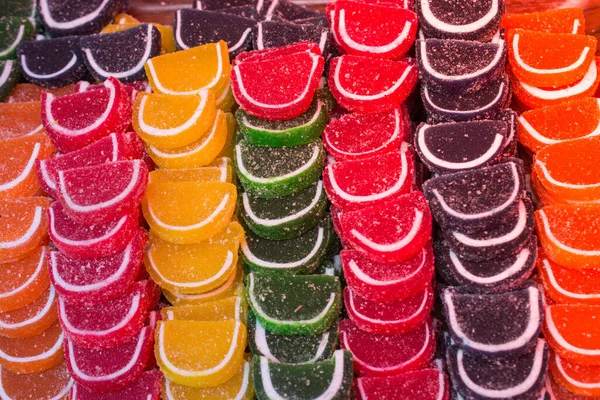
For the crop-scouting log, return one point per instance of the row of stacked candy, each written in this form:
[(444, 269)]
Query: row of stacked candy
[(485, 248), (383, 221), (550, 51)]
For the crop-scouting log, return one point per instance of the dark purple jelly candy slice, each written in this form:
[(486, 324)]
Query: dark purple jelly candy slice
[(270, 34), (52, 62), (510, 144), (242, 11), (459, 19), (519, 377), (459, 64), (77, 17), (320, 20), (286, 10), (494, 324), (122, 54), (197, 27), (463, 146), (227, 4), (447, 105)]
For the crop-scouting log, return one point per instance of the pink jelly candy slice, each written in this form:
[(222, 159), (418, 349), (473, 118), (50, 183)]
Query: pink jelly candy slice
[(266, 54), (427, 384), (75, 120), (131, 89), (147, 387)]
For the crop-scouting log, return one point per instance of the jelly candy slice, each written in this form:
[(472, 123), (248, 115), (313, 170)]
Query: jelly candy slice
[(76, 120), (374, 30), (24, 280), (569, 286), (514, 377), (246, 11), (571, 331), (569, 235), (564, 60), (195, 268), (291, 349), (240, 387), (577, 378), (19, 8), (287, 10), (363, 84), (147, 387), (80, 18), (121, 54), (188, 212), (460, 65), (52, 62), (556, 391), (384, 355), (426, 384), (21, 119), (110, 370), (299, 305), (112, 148), (200, 353), (453, 147), (298, 255), (52, 384), (271, 34), (331, 378), (169, 73), (392, 232), (562, 20), (22, 227), (202, 174), (99, 279), (9, 77), (286, 217), (455, 20), (275, 172), (33, 354), (17, 164), (516, 316), (32, 319), (115, 321), (102, 193), (89, 242), (229, 308), (352, 185), (166, 40), (169, 122), (268, 54)]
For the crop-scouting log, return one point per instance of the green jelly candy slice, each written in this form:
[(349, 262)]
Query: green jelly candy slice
[(329, 380), (291, 349), (294, 304), (13, 31), (18, 8), (286, 217), (331, 267), (281, 171), (299, 255), (304, 129), (9, 77)]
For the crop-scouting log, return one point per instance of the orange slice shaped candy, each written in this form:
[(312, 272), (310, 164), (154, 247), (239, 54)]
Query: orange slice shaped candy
[(573, 332), (583, 380), (202, 174), (200, 353), (229, 308), (169, 122), (17, 164), (563, 20), (544, 196), (20, 119), (33, 354), (170, 73), (195, 268), (569, 170), (31, 320), (28, 92), (52, 384), (188, 212), (549, 59), (567, 285), (227, 150), (197, 154), (22, 226), (226, 101)]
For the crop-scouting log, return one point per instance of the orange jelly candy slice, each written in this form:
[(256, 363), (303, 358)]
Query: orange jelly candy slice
[(22, 226), (170, 122), (26, 92), (202, 174), (200, 353), (20, 119), (549, 59), (583, 380), (235, 308), (188, 212), (17, 164), (226, 101), (33, 354), (52, 384), (564, 20), (573, 332), (31, 320), (195, 268)]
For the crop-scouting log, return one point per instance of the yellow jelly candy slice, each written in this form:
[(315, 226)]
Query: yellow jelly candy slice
[(188, 212), (190, 71), (226, 101), (229, 146), (200, 353), (202, 174), (195, 268), (234, 307), (122, 19)]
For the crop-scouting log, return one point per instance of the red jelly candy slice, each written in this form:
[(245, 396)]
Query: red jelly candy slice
[(109, 370), (108, 324), (389, 318), (112, 148), (277, 87), (76, 120), (147, 387), (352, 185), (387, 282), (373, 30), (356, 136), (267, 54), (363, 84), (427, 384), (381, 355), (335, 219), (392, 232), (89, 242), (99, 279)]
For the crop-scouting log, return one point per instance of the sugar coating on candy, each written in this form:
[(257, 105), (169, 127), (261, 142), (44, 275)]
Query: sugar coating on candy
[(577, 378), (22, 226), (23, 280), (426, 384), (53, 383), (287, 10), (228, 308), (568, 285), (79, 17), (242, 11), (19, 8), (20, 119), (147, 387), (14, 31), (9, 78), (32, 319), (269, 34), (561, 20)]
